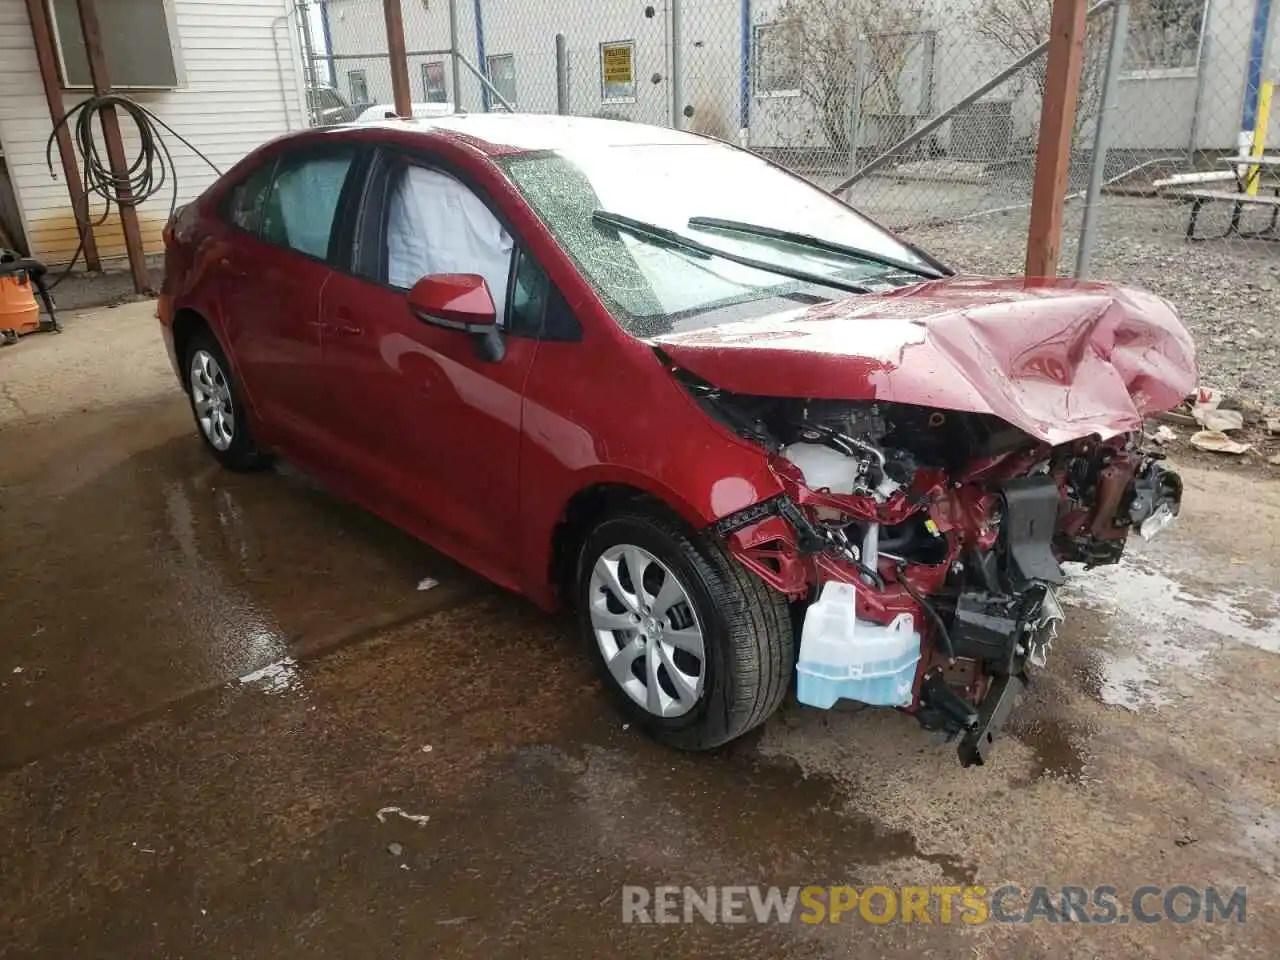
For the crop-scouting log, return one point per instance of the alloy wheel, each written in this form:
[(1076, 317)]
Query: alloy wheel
[(211, 397), (647, 630)]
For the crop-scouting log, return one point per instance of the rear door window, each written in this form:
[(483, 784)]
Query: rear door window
[(300, 211)]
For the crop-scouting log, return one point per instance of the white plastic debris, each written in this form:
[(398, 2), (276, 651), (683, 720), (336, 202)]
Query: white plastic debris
[(1215, 441), (1208, 413), (426, 583), (1220, 420), (17, 669), (426, 748), (419, 818), (1164, 435)]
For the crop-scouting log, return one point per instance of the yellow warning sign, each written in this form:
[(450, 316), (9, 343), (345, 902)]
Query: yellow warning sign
[(619, 67)]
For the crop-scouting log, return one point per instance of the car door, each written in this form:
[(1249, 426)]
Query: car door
[(275, 278), (432, 425)]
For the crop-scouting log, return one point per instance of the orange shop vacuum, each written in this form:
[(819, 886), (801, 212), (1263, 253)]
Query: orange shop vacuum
[(22, 279)]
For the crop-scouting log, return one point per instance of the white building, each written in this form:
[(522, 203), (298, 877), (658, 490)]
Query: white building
[(227, 76), (1182, 88)]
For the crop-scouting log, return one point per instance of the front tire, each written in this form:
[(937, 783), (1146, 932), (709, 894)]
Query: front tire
[(697, 650), (217, 405)]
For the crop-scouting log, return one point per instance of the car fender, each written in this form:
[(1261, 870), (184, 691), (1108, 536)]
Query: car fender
[(699, 490)]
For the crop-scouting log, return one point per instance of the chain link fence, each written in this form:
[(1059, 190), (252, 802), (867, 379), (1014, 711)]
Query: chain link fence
[(829, 87)]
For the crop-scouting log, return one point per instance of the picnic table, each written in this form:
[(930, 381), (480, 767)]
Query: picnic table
[(1247, 171)]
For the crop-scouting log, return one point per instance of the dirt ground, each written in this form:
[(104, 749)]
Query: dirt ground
[(211, 684)]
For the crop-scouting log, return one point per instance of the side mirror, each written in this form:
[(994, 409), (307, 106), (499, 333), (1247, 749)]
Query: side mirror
[(459, 301)]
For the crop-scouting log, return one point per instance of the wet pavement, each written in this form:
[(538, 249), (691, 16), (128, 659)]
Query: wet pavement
[(211, 685)]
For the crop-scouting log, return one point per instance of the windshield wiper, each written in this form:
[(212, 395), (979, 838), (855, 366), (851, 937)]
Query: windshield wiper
[(930, 271), (665, 237)]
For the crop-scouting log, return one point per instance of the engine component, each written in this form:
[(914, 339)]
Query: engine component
[(825, 468), (1029, 523), (1157, 498), (941, 708), (1004, 630), (843, 465)]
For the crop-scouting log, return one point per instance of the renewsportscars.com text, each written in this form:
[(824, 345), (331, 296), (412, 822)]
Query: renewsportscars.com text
[(1009, 903)]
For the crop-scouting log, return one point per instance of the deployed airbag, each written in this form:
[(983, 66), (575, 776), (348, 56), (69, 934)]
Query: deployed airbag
[(437, 225)]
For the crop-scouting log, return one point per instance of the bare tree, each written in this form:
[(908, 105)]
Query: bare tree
[(821, 42), (1019, 26), (1164, 34)]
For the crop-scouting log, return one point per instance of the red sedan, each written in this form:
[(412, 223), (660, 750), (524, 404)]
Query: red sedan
[(746, 432)]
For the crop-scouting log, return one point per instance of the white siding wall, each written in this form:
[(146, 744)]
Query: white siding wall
[(242, 87)]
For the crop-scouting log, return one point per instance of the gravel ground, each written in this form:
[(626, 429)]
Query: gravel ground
[(1226, 291)]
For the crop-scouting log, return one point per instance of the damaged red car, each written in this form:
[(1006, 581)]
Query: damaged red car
[(751, 436)]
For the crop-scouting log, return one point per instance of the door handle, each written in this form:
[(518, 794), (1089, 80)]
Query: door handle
[(344, 325)]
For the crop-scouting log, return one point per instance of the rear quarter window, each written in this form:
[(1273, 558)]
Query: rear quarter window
[(245, 202)]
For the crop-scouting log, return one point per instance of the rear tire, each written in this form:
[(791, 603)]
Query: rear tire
[(747, 642), (218, 407)]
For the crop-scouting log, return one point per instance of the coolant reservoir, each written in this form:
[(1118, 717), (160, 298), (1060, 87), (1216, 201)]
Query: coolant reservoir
[(844, 658), (823, 467)]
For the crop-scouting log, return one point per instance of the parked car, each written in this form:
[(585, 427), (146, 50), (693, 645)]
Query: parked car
[(327, 106), (387, 111), (705, 403)]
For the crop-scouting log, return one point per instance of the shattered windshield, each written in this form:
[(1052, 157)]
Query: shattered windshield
[(652, 287)]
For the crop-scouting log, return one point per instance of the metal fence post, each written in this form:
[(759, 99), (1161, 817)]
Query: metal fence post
[(453, 45), (562, 74), (398, 60), (859, 85), (677, 66), (1057, 126), (308, 54), (1102, 136)]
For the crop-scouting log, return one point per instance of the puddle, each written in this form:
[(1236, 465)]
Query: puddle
[(733, 813), (1123, 682), (1060, 748), (1149, 624), (1136, 590)]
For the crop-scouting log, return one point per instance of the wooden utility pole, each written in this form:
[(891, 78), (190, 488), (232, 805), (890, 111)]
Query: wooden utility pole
[(399, 62), (115, 145), (47, 60), (1057, 122)]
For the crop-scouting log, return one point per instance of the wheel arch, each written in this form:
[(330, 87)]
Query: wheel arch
[(187, 322), (585, 508)]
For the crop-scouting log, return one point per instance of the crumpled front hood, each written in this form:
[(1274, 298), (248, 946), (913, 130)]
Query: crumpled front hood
[(1058, 359)]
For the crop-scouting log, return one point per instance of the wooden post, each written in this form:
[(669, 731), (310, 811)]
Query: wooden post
[(47, 60), (1057, 121), (399, 62), (115, 145)]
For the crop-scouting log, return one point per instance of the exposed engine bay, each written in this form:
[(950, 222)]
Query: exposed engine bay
[(959, 520)]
